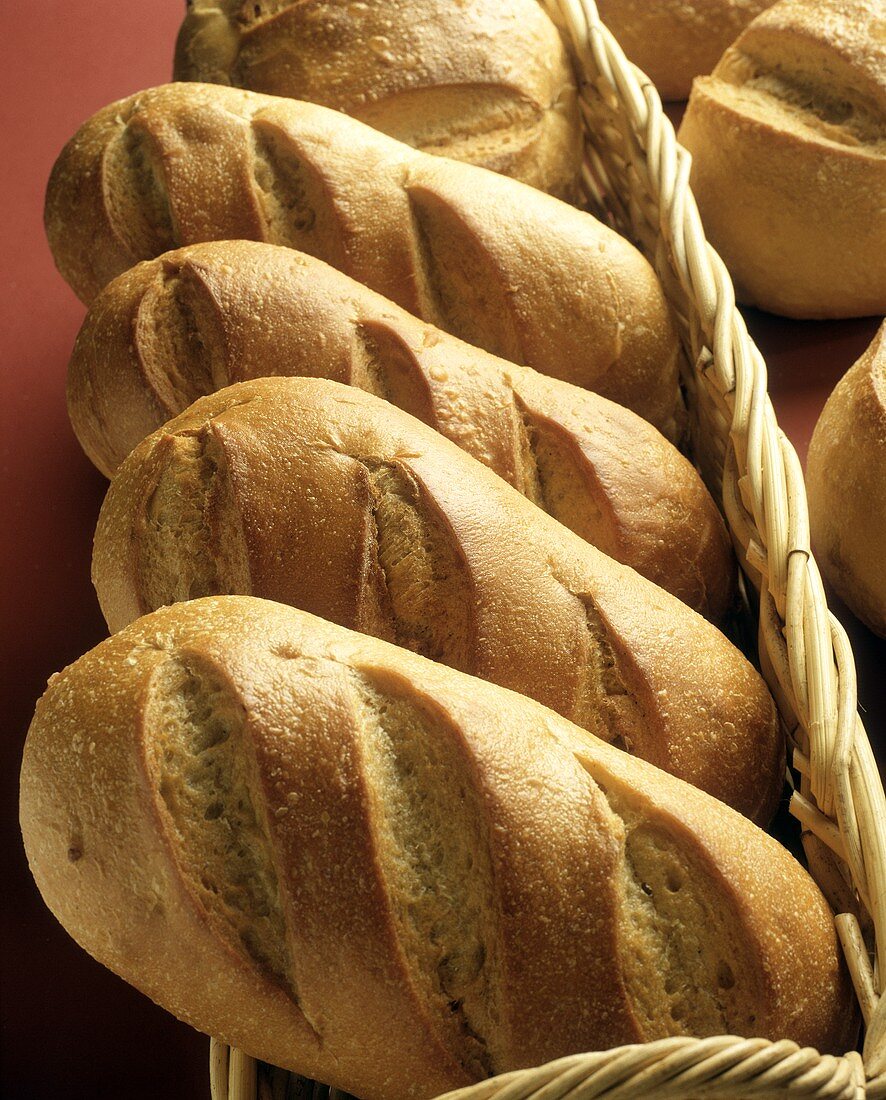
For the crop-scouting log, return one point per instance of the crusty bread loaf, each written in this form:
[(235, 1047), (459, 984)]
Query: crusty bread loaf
[(173, 329), (673, 41), (318, 495), (846, 478), (486, 258), (392, 877), (488, 81), (788, 139)]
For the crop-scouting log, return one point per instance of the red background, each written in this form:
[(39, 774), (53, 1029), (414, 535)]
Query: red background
[(70, 1028)]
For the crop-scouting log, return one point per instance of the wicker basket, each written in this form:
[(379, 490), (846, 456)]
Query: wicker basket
[(636, 176)]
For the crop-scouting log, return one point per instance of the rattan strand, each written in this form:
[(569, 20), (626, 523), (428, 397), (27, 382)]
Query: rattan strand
[(638, 177), (722, 1066)]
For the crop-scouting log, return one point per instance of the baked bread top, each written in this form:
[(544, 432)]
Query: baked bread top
[(387, 875), (203, 317), (846, 478), (673, 41), (788, 140), (496, 263), (814, 68), (486, 82), (319, 495)]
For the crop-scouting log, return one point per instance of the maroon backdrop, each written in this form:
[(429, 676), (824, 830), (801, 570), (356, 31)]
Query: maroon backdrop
[(70, 1028)]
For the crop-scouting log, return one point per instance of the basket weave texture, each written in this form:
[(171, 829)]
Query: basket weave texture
[(637, 178)]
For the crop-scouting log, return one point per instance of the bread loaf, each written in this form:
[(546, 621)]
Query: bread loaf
[(846, 477), (673, 41), (318, 495), (192, 321), (391, 877), (788, 139), (486, 258), (488, 82)]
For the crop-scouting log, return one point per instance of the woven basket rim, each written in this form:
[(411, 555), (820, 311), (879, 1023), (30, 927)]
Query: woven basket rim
[(805, 653)]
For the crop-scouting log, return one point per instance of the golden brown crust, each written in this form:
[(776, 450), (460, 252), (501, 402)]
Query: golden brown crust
[(788, 138), (673, 41), (322, 496), (846, 477), (172, 329), (230, 729), (485, 82), (486, 258)]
